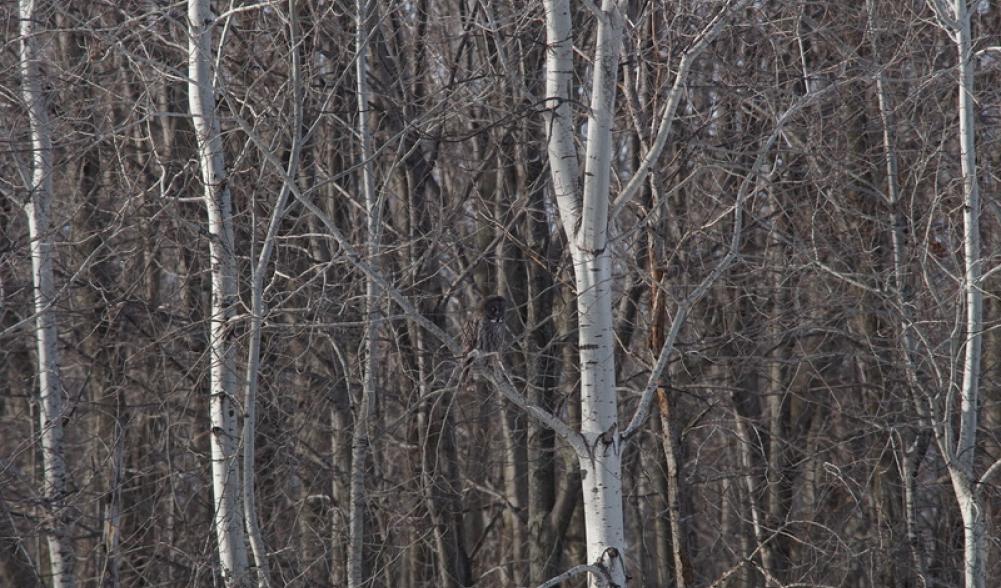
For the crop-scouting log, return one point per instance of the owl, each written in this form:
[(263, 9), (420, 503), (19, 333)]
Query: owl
[(487, 333)]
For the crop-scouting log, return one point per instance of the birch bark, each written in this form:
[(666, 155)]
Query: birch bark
[(585, 223), (37, 208), (962, 470), (602, 465), (226, 486), (959, 449)]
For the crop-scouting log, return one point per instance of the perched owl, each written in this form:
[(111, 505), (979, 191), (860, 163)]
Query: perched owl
[(487, 333)]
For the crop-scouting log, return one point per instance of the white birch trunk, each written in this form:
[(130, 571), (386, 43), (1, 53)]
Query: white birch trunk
[(229, 521), (557, 116), (602, 465), (37, 208), (586, 229), (974, 522), (360, 438), (971, 510), (973, 262), (960, 451), (586, 226)]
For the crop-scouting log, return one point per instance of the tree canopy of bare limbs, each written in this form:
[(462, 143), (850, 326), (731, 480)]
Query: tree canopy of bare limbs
[(740, 261)]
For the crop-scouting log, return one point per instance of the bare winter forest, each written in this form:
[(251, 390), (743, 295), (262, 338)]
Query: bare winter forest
[(500, 293)]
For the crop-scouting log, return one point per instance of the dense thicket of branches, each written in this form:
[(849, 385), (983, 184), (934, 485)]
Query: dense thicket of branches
[(798, 439)]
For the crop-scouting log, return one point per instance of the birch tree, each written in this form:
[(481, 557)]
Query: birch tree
[(774, 262), (226, 482), (585, 221), (38, 207), (959, 448)]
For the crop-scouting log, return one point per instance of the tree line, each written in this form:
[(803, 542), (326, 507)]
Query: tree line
[(741, 258)]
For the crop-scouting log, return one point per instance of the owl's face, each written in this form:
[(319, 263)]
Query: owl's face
[(493, 309)]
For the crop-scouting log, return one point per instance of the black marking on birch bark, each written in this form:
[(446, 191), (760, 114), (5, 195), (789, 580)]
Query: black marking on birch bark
[(608, 437)]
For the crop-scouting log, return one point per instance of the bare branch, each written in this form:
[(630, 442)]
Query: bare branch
[(989, 475), (942, 14), (502, 382), (350, 253), (653, 381), (702, 40), (246, 8), (594, 9)]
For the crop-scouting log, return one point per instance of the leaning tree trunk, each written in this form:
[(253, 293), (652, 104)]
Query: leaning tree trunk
[(258, 310), (37, 207), (228, 511)]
